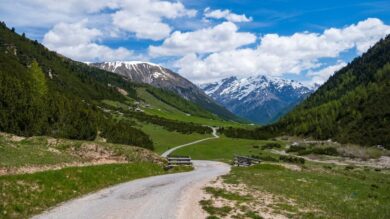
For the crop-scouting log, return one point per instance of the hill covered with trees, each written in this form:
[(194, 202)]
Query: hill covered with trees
[(44, 93), (352, 106)]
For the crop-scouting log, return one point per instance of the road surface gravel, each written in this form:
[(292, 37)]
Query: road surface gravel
[(159, 197)]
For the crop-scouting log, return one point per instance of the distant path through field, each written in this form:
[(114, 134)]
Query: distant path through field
[(215, 135)]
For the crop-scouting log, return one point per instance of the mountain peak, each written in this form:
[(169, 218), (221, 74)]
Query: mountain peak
[(258, 98), (158, 76), (128, 64)]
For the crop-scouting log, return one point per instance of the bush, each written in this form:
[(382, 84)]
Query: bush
[(122, 133), (271, 145), (296, 148), (265, 158), (331, 151), (291, 159)]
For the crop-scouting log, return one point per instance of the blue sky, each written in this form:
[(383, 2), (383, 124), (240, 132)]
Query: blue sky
[(208, 40)]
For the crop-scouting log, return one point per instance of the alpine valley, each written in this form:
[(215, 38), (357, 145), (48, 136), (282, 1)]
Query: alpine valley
[(87, 131)]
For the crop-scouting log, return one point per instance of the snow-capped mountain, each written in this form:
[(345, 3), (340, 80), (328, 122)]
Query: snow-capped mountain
[(259, 99), (158, 76)]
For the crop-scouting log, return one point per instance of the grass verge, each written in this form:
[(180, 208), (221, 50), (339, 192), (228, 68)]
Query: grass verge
[(319, 191), (25, 195)]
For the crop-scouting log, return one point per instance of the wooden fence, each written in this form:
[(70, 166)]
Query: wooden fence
[(178, 161)]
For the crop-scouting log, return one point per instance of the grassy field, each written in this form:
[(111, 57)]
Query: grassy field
[(37, 173), (223, 149), (25, 195), (38, 151), (320, 191), (164, 110), (164, 140), (293, 189)]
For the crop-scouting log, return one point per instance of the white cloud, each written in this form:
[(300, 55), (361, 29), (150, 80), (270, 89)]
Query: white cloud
[(226, 14), (144, 17), (222, 37), (45, 13), (277, 55), (320, 76), (79, 42)]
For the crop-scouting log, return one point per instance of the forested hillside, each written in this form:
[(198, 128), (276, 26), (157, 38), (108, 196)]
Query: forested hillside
[(352, 106), (176, 101), (44, 93)]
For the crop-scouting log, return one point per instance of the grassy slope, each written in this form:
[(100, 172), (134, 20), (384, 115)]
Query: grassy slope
[(166, 111), (25, 195), (332, 192), (163, 139), (39, 151), (221, 149)]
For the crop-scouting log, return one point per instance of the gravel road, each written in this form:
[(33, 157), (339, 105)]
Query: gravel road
[(159, 197), (167, 196)]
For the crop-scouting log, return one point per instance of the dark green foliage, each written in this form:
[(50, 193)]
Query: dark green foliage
[(43, 93), (176, 101), (172, 125), (291, 159), (271, 146), (312, 149), (122, 133), (259, 133), (296, 148), (353, 106), (331, 151)]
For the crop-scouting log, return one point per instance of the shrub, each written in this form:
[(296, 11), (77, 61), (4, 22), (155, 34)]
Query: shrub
[(291, 159), (271, 145), (122, 133), (296, 148), (331, 151)]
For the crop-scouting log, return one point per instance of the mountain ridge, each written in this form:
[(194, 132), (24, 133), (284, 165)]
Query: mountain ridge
[(260, 98), (161, 77)]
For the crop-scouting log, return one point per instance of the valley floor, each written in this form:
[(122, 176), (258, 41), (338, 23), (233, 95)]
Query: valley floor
[(348, 184), (295, 179)]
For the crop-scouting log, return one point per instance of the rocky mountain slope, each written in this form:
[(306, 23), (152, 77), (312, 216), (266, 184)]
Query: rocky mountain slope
[(259, 99), (158, 76)]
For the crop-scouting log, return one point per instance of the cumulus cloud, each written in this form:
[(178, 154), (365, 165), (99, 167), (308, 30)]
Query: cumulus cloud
[(144, 17), (222, 37), (320, 76), (226, 14), (44, 13), (276, 55), (79, 42)]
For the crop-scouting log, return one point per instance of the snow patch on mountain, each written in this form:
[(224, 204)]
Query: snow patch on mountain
[(258, 98)]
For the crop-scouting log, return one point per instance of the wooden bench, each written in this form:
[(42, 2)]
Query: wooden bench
[(179, 161), (245, 161)]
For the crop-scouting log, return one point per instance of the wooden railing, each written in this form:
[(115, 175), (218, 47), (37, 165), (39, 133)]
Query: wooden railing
[(177, 161)]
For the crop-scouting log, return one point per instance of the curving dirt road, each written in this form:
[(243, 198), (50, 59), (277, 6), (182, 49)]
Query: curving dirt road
[(159, 197)]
